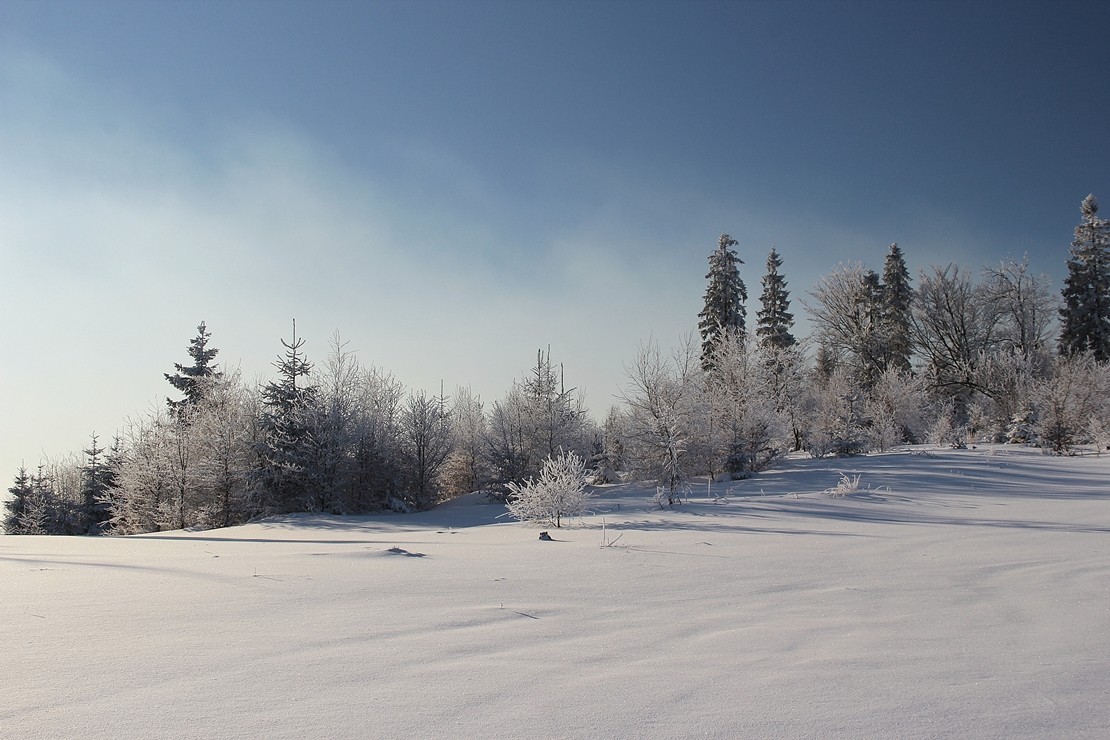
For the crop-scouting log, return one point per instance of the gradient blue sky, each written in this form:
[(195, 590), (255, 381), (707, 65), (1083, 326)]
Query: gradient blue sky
[(455, 184)]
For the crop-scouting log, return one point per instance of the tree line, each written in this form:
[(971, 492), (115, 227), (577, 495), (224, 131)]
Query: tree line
[(958, 357)]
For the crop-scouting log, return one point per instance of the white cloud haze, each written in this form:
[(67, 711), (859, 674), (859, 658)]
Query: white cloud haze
[(451, 190)]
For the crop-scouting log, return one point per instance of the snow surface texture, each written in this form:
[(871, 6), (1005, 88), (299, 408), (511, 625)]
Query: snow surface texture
[(956, 593)]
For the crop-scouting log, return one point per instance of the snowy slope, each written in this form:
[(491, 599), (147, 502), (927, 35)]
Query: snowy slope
[(963, 593)]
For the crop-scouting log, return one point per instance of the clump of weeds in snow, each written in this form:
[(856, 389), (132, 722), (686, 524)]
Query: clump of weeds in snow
[(849, 485), (845, 487)]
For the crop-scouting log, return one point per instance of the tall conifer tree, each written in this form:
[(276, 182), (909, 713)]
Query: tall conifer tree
[(724, 300), (187, 378), (869, 317), (97, 477), (774, 318), (287, 446), (18, 504), (1085, 316), (897, 305)]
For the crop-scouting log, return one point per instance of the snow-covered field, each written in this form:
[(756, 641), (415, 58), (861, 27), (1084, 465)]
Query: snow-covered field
[(958, 593)]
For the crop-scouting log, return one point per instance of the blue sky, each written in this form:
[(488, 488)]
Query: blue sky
[(453, 185)]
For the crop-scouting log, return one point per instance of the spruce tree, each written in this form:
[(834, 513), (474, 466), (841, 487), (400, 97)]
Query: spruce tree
[(724, 300), (97, 477), (869, 319), (897, 304), (826, 361), (18, 505), (1086, 312), (45, 511), (287, 446), (774, 318), (555, 414), (187, 378)]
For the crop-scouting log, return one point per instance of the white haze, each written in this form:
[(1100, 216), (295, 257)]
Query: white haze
[(125, 224)]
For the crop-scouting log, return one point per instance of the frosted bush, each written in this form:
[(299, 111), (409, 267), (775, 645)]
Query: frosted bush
[(559, 491)]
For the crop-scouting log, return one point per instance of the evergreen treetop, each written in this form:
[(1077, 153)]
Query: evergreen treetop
[(774, 318), (724, 310), (897, 303), (187, 378), (285, 394), (288, 446), (18, 503), (97, 478), (1085, 316)]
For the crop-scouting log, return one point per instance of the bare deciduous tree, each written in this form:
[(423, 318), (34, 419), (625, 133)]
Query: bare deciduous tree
[(955, 325), (662, 399), (425, 444), (1026, 308), (1075, 393)]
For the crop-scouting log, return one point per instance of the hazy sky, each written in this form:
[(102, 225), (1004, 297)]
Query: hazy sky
[(453, 185)]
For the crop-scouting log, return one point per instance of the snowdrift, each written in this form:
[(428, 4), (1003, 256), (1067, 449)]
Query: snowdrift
[(953, 593)]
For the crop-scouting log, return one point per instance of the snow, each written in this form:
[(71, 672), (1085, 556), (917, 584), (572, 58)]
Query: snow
[(958, 592)]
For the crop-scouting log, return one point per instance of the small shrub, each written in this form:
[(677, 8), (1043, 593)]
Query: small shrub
[(559, 491)]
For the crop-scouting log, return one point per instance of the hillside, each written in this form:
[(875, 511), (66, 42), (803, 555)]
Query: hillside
[(957, 593)]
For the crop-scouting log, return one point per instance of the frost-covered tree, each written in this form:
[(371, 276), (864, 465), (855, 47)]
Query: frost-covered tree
[(1025, 306), (1022, 428), (948, 428), (187, 377), (466, 469), (508, 442), (894, 410), (98, 476), (983, 343), (141, 500), (375, 471), (48, 510), (51, 499), (159, 483), (663, 398), (1085, 316), (896, 341), (1067, 400), (955, 325), (826, 360), (847, 318), (834, 412), (425, 444), (287, 474), (228, 434), (725, 294), (58, 494), (742, 394), (614, 431), (334, 425), (1003, 380), (774, 318), (863, 321), (559, 491), (789, 376), (19, 505), (538, 418), (778, 348), (557, 415), (871, 309), (184, 469)]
